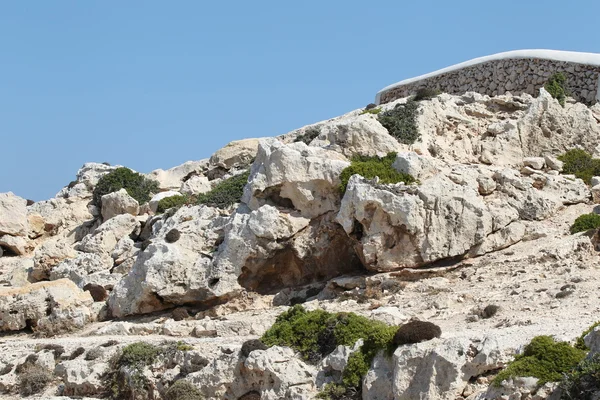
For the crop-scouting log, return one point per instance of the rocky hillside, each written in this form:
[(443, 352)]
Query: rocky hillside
[(410, 252)]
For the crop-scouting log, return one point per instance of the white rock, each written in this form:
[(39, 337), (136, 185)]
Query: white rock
[(172, 179), (117, 203), (236, 153), (534, 162), (51, 307), (13, 215), (197, 184), (419, 167), (17, 244), (14, 271), (553, 162), (82, 268), (81, 378), (104, 239), (306, 178), (158, 197), (87, 178)]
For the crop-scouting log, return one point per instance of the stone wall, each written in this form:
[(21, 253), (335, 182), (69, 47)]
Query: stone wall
[(498, 76)]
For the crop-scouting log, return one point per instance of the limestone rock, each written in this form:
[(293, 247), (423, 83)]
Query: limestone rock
[(117, 203), (85, 268), (238, 153), (553, 162), (172, 179), (419, 167), (86, 180), (357, 135), (197, 184), (49, 254), (81, 378), (167, 274), (534, 162), (14, 271), (13, 215), (49, 307), (104, 239), (17, 244), (36, 225), (295, 176)]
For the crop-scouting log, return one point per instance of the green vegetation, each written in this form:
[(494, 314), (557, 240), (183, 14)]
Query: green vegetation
[(370, 167), (183, 390), (134, 358), (557, 87), (416, 332), (371, 111), (315, 334), (33, 379), (581, 164), (138, 186), (226, 193), (585, 222), (544, 359), (426, 94), (580, 342), (401, 122), (172, 202), (308, 136), (335, 391), (583, 382)]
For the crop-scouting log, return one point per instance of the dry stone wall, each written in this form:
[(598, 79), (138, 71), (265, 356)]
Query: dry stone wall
[(501, 75)]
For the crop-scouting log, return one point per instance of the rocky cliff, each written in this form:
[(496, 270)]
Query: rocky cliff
[(113, 296)]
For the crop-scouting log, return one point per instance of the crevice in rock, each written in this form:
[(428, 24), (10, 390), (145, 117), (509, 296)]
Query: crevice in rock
[(329, 253), (272, 197)]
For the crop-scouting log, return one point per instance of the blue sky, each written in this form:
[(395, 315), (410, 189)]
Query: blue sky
[(152, 84)]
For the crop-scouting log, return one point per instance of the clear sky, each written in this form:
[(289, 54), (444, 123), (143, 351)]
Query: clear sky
[(152, 84)]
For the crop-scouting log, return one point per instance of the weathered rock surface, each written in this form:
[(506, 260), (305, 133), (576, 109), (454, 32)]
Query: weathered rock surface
[(238, 153), (47, 307), (117, 203), (13, 215), (172, 179)]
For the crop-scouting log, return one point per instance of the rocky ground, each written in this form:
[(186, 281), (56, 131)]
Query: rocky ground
[(487, 225)]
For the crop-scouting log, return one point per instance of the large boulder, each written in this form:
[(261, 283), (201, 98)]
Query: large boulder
[(47, 307), (238, 153), (17, 244), (13, 215), (295, 176), (172, 179), (86, 268), (49, 254), (117, 203), (360, 135), (171, 273), (104, 239)]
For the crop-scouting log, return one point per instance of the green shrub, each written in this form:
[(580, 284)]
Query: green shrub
[(33, 379), (132, 361), (309, 135), (137, 185), (370, 167), (374, 111), (401, 122), (426, 94), (335, 391), (315, 334), (139, 354), (172, 202), (585, 222), (583, 382), (544, 359), (226, 193), (183, 390), (580, 342), (557, 87), (581, 164)]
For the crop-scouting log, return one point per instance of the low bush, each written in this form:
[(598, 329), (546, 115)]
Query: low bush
[(557, 87), (308, 136), (426, 94), (489, 311), (585, 222), (370, 167), (583, 382), (581, 164), (315, 334), (335, 391), (416, 332), (401, 122), (250, 345), (226, 193), (172, 202), (33, 379), (544, 359), (126, 377), (580, 341), (374, 111), (137, 185), (183, 390)]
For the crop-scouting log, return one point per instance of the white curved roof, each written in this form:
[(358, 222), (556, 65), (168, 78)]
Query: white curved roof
[(555, 55)]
